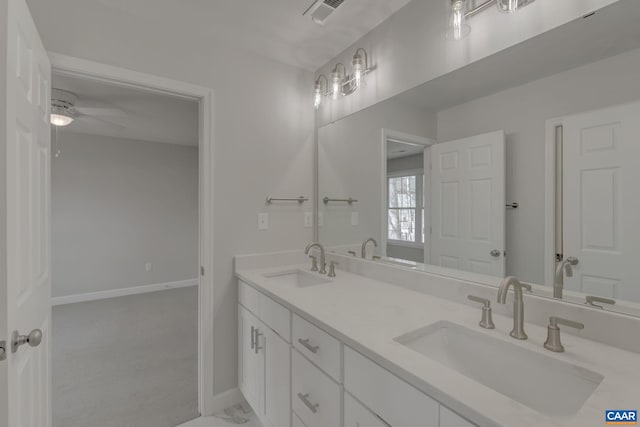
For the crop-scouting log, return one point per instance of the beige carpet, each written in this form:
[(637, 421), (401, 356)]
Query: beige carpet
[(126, 362)]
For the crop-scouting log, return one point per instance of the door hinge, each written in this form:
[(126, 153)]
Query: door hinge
[(559, 257), (201, 270), (3, 350)]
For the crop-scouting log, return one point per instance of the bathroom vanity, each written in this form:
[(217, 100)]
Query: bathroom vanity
[(356, 351)]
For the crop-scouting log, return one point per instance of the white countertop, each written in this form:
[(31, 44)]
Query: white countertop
[(367, 315)]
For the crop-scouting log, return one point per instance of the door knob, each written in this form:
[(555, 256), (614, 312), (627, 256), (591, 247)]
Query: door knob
[(33, 339), (572, 260), (495, 253)]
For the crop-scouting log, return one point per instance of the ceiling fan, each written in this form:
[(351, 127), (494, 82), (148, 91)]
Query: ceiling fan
[(66, 107)]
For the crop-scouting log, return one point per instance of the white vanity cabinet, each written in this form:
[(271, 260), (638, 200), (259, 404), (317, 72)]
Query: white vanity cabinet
[(264, 357), (294, 374)]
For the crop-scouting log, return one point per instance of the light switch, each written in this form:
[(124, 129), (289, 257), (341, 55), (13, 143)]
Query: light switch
[(263, 221), (147, 267), (355, 218), (308, 219), (320, 219)]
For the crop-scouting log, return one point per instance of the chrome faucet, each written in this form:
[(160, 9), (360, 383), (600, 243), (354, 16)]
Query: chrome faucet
[(364, 246), (518, 305), (558, 284), (323, 264)]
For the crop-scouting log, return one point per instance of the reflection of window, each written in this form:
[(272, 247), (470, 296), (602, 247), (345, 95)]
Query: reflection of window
[(405, 207)]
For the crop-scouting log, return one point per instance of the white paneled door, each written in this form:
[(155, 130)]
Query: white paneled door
[(27, 164), (601, 207), (468, 204)]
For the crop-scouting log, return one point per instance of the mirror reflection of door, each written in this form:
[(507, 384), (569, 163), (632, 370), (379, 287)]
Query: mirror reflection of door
[(600, 208), (446, 203)]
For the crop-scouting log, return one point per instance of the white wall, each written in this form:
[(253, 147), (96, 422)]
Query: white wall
[(410, 48), (118, 204), (597, 85), (263, 133), (350, 162)]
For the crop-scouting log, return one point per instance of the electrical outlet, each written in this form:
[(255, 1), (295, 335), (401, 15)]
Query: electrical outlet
[(147, 267), (308, 219), (263, 221), (355, 218)]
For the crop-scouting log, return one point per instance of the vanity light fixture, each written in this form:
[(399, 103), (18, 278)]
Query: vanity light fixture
[(341, 81), (319, 90), (458, 28), (337, 79)]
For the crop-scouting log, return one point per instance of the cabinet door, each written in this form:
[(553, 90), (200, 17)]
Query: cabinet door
[(277, 399), (251, 358)]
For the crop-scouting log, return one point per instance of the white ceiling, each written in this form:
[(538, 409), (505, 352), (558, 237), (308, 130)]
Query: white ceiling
[(123, 112), (272, 28), (397, 149)]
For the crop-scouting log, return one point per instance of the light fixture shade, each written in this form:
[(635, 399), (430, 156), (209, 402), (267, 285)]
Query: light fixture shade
[(336, 84), (358, 70), (458, 27), (510, 6), (317, 95), (60, 119)]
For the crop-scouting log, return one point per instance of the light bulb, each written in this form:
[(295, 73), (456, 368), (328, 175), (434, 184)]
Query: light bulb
[(317, 96), (358, 70), (336, 82), (458, 28)]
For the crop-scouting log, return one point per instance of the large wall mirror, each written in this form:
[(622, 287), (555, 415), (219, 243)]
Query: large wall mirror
[(526, 163)]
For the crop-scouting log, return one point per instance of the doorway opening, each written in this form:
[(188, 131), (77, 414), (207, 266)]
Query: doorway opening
[(140, 161)]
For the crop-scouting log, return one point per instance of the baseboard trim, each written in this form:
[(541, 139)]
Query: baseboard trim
[(224, 400), (135, 290)]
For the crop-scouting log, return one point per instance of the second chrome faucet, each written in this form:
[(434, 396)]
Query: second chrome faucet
[(518, 305)]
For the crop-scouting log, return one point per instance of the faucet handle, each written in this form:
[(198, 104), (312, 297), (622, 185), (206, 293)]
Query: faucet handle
[(527, 286), (352, 253), (487, 320), (314, 263), (591, 299), (376, 258), (553, 342), (332, 268)]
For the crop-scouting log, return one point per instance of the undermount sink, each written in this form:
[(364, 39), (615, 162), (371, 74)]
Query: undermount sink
[(296, 278), (542, 383)]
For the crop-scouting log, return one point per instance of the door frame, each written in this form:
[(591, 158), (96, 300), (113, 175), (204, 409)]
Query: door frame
[(77, 67), (426, 199), (550, 205)]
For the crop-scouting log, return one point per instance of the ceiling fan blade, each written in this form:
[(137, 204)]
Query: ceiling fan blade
[(101, 111), (101, 121)]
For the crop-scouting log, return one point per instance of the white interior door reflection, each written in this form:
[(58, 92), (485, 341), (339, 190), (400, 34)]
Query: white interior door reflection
[(600, 174)]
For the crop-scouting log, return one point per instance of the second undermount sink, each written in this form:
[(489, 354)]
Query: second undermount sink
[(296, 278), (542, 383)]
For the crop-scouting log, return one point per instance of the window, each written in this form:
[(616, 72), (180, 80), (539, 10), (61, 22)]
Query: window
[(405, 211)]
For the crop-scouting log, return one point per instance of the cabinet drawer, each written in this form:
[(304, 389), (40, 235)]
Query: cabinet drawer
[(397, 402), (316, 398), (320, 347), (356, 415), (276, 317), (249, 297), (448, 418)]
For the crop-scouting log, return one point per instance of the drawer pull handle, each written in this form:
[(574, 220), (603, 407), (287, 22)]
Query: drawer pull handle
[(253, 337), (305, 399), (258, 335), (312, 348)]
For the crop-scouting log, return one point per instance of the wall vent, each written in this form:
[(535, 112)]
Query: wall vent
[(320, 10)]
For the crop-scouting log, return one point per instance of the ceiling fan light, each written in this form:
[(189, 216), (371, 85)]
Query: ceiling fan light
[(61, 120)]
